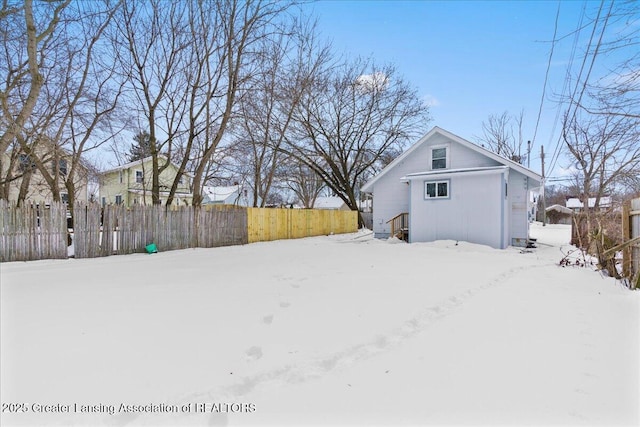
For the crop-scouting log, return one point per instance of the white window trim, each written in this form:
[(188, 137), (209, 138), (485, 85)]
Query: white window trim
[(141, 176), (436, 182), (447, 154)]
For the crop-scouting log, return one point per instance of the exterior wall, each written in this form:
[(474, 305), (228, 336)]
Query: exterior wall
[(110, 187), (518, 196), (391, 196), (474, 210), (39, 190), (122, 182)]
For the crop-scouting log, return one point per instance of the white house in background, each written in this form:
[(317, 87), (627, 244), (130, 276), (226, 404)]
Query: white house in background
[(331, 203), (229, 195), (445, 187), (575, 204)]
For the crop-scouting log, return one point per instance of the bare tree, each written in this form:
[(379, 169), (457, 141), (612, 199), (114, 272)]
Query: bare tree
[(606, 152), (499, 135), (290, 61), (152, 46), (349, 118), (26, 33), (242, 24), (87, 96), (305, 184), (75, 100), (186, 63), (616, 90)]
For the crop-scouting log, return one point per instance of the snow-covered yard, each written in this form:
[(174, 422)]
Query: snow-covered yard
[(336, 330)]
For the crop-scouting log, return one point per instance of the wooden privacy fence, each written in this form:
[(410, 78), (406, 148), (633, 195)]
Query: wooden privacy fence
[(130, 230), (274, 224), (32, 232)]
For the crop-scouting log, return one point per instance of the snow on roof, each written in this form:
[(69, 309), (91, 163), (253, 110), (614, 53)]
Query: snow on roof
[(559, 208), (574, 202), (219, 194), (485, 169), (328, 203)]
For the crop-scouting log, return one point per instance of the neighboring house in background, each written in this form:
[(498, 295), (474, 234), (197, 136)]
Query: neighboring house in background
[(558, 214), (130, 184), (36, 188), (227, 195), (331, 203), (576, 204), (445, 187)]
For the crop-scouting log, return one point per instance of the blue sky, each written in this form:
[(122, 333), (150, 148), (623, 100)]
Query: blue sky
[(469, 58)]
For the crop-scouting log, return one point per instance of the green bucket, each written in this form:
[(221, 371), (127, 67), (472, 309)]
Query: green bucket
[(151, 248)]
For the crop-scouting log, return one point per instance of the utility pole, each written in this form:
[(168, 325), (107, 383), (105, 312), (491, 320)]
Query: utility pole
[(544, 200)]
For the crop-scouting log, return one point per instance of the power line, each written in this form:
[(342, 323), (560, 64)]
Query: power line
[(567, 78), (546, 75), (593, 58), (573, 104)]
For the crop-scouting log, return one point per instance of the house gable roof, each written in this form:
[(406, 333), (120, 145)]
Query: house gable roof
[(368, 186), (332, 202), (576, 202), (140, 162), (559, 208), (220, 194)]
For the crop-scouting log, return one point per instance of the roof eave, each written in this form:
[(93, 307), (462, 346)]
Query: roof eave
[(368, 186)]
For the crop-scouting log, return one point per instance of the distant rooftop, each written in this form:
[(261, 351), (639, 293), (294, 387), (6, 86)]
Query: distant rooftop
[(575, 203)]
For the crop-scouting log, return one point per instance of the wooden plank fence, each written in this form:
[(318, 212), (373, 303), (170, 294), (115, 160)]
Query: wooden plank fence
[(32, 232), (130, 230), (274, 224), (630, 231)]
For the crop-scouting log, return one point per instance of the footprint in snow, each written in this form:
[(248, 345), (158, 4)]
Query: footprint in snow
[(268, 319), (219, 419), (285, 304), (254, 353)]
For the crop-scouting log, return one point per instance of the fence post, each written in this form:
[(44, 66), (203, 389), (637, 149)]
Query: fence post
[(626, 235), (633, 253)]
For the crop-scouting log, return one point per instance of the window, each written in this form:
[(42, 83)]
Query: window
[(439, 158), (139, 177), (120, 176), (62, 167), (104, 202), (118, 199), (25, 163), (64, 198), (436, 189)]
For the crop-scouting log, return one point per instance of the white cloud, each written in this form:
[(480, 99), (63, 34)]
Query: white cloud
[(431, 100), (375, 81)]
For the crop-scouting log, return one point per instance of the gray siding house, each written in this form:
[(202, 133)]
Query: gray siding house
[(447, 188)]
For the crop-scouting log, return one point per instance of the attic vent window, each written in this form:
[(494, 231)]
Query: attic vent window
[(439, 158)]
